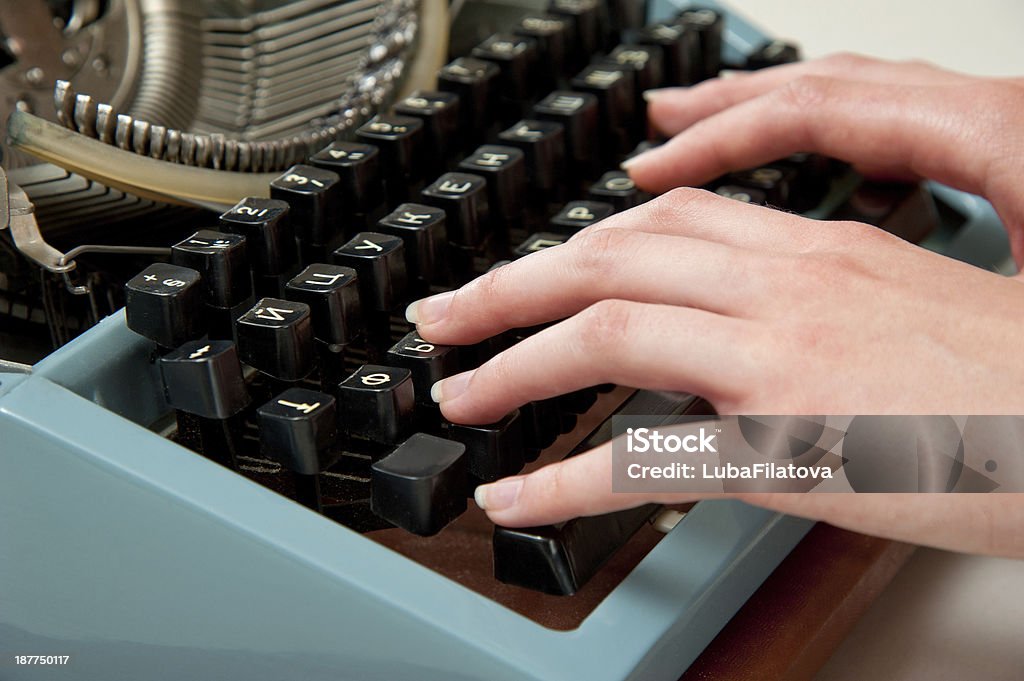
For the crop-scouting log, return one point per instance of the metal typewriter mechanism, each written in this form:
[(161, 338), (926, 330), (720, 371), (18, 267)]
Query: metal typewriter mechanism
[(262, 187)]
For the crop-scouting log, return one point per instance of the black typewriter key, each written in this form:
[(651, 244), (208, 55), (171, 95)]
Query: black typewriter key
[(541, 426), (221, 260), (377, 404), (269, 240), (645, 62), (421, 486), (276, 337), (204, 379), (297, 428), (585, 19), (515, 56), (493, 451), (332, 294), (538, 242), (774, 181), (708, 25), (742, 194), (811, 181), (543, 147), (165, 304), (399, 139), (577, 215), (578, 114), (680, 50), (379, 261), (358, 167), (616, 187), (505, 171), (613, 87), (578, 401), (475, 81), (314, 195), (428, 362), (553, 38), (422, 229), (773, 53), (439, 112), (627, 15), (464, 199)]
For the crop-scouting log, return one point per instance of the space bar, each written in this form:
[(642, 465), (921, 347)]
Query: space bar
[(559, 559)]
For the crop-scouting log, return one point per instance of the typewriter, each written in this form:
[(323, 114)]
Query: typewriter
[(219, 455)]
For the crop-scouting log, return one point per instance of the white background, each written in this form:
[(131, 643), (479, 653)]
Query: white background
[(945, 616)]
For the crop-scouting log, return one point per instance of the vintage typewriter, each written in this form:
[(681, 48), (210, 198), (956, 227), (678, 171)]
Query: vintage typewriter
[(223, 461)]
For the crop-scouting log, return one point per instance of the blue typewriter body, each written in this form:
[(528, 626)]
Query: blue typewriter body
[(141, 560)]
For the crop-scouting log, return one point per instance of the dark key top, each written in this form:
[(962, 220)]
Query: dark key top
[(269, 239), (708, 25), (505, 171), (645, 62), (627, 15), (475, 81), (422, 229), (774, 181), (543, 147), (358, 166), (399, 139), (743, 194), (377, 404), (577, 215), (773, 53), (559, 559), (332, 294), (314, 195), (276, 337), (439, 112), (680, 50), (203, 382), (613, 87), (297, 428), (204, 378), (538, 242), (421, 486), (578, 114), (494, 451), (464, 199), (616, 187), (811, 183), (165, 304), (379, 261), (515, 56), (552, 35), (428, 362), (220, 258), (585, 18)]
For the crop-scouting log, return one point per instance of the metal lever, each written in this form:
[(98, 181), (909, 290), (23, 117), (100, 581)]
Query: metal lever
[(18, 214)]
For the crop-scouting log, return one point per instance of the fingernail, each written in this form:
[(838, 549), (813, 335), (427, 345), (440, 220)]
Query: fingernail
[(448, 389), (633, 160), (651, 95), (498, 495), (429, 310)]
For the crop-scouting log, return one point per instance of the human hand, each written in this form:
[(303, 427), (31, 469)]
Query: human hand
[(893, 120), (757, 310)]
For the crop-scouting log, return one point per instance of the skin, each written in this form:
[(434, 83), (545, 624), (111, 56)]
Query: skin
[(761, 311)]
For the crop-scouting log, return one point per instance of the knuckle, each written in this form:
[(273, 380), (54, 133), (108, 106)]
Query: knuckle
[(602, 324), (600, 251), (684, 200), (485, 290), (806, 92), (847, 60)]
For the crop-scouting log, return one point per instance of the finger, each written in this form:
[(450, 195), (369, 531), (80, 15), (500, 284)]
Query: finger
[(610, 263), (672, 110), (700, 214), (928, 131), (582, 486), (635, 344)]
